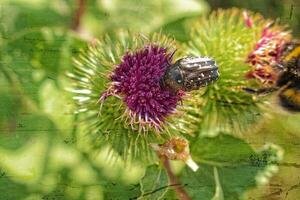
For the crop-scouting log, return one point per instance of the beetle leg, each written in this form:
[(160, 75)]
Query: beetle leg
[(260, 91)]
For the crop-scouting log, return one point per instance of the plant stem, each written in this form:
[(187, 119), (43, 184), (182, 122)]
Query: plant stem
[(78, 15), (177, 186)]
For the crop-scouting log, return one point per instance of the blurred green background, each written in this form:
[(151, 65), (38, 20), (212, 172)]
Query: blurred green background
[(38, 39)]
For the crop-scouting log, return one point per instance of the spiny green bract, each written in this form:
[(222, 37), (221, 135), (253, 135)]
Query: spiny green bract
[(224, 106)]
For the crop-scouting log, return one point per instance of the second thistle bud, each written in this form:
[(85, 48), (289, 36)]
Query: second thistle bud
[(176, 149)]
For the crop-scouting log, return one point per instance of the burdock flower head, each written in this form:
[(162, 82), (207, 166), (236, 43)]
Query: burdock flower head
[(267, 52), (137, 79), (228, 36), (231, 37), (119, 95)]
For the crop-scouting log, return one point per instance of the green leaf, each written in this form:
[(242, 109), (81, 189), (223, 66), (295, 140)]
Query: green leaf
[(10, 190), (142, 15), (23, 128), (19, 123), (179, 29), (38, 55), (154, 184), (228, 165), (18, 16)]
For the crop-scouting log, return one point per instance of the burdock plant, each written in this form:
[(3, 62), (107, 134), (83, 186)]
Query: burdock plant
[(123, 105), (118, 88)]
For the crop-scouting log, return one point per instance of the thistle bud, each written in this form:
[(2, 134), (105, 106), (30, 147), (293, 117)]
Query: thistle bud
[(176, 148)]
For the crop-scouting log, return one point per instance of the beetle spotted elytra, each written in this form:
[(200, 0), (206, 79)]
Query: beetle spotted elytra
[(190, 73)]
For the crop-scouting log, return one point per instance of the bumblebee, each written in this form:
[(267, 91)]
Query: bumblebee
[(190, 73), (287, 82)]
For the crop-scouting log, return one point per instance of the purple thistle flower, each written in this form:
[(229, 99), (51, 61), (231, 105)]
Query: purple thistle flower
[(267, 52), (137, 80)]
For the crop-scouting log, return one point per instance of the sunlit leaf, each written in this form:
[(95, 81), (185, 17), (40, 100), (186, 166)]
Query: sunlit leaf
[(154, 184), (238, 166)]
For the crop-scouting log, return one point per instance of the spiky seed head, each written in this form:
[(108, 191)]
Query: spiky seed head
[(118, 97), (228, 36)]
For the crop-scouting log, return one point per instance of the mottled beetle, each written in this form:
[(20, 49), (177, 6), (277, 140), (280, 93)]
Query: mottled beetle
[(190, 73)]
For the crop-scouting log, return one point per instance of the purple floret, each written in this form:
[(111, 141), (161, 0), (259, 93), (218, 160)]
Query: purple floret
[(137, 80)]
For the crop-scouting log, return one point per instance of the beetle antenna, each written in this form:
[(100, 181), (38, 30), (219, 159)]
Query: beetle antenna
[(260, 91), (170, 57)]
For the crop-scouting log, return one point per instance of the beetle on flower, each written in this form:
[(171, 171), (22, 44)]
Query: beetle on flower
[(131, 80), (151, 86)]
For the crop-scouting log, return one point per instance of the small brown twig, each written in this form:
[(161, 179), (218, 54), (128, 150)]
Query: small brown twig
[(177, 186), (78, 15)]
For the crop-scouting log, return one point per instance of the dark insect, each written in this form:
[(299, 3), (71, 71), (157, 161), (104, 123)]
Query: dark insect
[(288, 81), (190, 73)]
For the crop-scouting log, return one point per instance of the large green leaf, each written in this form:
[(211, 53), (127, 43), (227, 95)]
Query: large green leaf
[(39, 55), (16, 15), (141, 15), (154, 184), (10, 190), (229, 165)]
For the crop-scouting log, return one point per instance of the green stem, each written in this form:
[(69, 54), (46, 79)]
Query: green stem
[(78, 14), (177, 186)]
